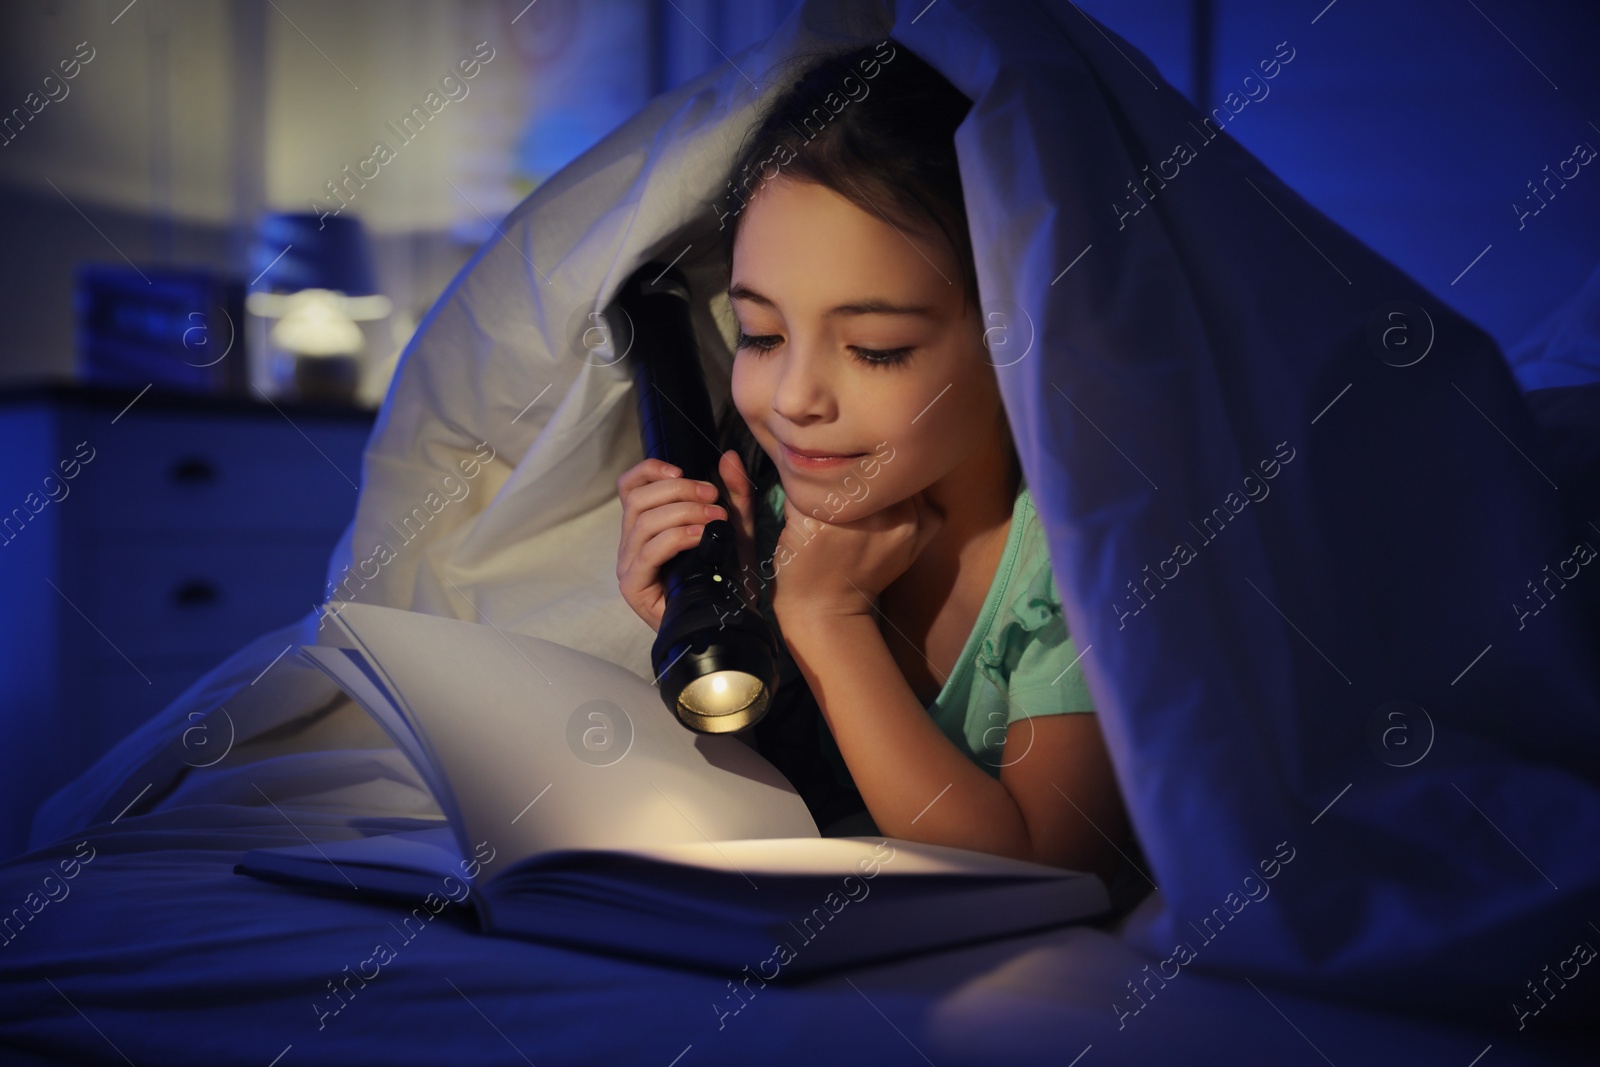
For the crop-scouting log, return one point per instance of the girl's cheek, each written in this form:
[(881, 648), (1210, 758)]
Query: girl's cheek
[(748, 385), (740, 390)]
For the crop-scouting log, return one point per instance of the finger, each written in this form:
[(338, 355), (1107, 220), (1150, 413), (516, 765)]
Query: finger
[(741, 491), (642, 576), (660, 519), (742, 497), (638, 500), (646, 471), (668, 543), (737, 479)]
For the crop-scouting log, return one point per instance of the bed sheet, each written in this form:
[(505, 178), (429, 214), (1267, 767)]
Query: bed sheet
[(160, 954)]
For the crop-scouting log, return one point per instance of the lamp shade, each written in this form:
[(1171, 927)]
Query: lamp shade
[(295, 251)]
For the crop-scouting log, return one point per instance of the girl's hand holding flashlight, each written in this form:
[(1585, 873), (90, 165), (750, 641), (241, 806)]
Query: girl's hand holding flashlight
[(664, 513)]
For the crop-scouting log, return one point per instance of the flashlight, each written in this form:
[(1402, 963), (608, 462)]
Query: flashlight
[(715, 660)]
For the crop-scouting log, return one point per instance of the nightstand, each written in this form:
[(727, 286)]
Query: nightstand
[(145, 537)]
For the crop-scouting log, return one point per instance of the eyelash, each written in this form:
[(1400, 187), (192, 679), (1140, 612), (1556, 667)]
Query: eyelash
[(872, 357)]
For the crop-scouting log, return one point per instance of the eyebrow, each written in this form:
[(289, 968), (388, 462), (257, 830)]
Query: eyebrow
[(869, 306)]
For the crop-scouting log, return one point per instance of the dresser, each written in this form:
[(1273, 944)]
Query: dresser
[(144, 538)]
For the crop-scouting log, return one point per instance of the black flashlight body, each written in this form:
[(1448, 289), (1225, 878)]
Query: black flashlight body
[(709, 643)]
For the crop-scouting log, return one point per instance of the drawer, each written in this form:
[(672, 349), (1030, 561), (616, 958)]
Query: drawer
[(189, 596), (164, 471)]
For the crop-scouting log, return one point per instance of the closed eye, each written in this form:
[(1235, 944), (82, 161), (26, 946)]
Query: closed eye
[(882, 357), (872, 357), (763, 343)]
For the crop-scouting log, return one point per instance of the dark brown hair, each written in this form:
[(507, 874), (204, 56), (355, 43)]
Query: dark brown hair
[(876, 125)]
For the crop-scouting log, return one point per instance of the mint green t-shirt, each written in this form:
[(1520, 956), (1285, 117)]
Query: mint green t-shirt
[(1018, 661)]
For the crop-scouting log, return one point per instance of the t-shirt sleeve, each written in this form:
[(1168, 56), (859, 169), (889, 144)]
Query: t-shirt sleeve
[(1034, 654), (1048, 682)]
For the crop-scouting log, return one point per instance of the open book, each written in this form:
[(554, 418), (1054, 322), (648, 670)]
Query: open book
[(580, 812)]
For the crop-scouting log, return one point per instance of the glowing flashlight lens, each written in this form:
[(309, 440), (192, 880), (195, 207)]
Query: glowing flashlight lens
[(721, 693), (724, 701)]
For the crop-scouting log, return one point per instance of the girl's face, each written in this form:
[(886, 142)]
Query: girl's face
[(856, 343)]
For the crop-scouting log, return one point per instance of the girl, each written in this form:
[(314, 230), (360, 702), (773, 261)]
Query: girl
[(910, 580)]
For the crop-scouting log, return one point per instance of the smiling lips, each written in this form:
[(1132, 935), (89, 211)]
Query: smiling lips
[(812, 459)]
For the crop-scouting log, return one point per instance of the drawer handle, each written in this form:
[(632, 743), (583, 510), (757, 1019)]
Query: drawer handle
[(193, 470), (196, 593)]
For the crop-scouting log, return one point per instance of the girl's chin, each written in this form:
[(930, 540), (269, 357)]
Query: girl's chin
[(827, 505)]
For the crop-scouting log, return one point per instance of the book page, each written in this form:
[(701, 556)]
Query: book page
[(415, 862), (838, 856), (358, 678), (832, 901), (547, 747)]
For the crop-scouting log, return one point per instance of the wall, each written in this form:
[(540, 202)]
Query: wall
[(1417, 126), (192, 117)]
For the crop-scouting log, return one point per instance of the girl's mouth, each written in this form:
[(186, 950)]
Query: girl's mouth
[(816, 462)]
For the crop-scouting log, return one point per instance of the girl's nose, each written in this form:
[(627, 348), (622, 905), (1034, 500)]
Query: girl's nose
[(804, 389)]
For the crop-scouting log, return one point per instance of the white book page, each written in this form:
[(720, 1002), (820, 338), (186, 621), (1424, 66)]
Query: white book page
[(344, 666), (826, 856), (547, 747)]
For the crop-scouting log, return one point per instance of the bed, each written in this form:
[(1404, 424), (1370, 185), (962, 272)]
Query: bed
[(1408, 930), (160, 954)]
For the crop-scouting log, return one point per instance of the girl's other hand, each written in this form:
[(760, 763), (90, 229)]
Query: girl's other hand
[(827, 569), (663, 513)]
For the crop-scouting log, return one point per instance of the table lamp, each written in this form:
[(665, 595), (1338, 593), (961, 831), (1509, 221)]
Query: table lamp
[(314, 276)]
